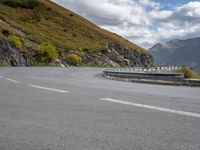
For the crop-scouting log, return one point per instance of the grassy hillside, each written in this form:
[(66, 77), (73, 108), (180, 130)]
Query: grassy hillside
[(63, 28)]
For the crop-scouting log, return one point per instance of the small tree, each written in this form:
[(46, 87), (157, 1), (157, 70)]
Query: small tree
[(74, 59), (47, 53)]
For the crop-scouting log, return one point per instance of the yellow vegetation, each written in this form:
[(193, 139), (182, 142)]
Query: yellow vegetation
[(188, 73)]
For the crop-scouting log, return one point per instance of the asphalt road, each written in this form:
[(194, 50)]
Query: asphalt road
[(75, 109)]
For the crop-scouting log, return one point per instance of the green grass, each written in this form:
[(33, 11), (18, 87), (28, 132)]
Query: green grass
[(66, 30), (1, 65), (95, 66), (39, 64)]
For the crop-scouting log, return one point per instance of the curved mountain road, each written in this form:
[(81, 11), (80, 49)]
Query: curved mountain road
[(76, 109)]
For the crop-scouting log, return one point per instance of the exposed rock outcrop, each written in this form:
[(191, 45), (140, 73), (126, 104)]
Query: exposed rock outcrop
[(10, 56), (128, 57), (116, 56)]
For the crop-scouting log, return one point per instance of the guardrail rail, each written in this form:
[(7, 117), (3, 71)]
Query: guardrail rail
[(158, 75)]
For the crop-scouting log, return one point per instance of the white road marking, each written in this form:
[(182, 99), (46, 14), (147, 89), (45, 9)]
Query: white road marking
[(185, 113), (15, 81), (46, 88), (1, 76)]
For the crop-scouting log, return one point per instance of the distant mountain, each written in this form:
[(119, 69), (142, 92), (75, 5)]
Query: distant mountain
[(178, 52), (37, 21)]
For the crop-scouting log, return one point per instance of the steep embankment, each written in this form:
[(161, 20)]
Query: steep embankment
[(178, 52), (69, 33)]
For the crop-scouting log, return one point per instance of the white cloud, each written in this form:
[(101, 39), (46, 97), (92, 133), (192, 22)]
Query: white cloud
[(150, 3), (159, 15), (188, 13), (108, 12), (144, 22)]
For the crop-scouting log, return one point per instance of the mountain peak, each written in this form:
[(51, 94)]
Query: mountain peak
[(178, 52), (173, 41), (156, 47)]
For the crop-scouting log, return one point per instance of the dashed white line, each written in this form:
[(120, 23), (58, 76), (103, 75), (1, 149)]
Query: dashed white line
[(15, 81), (49, 89), (173, 111)]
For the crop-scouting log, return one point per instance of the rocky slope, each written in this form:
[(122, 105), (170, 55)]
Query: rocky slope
[(68, 32), (178, 52), (116, 55), (10, 56)]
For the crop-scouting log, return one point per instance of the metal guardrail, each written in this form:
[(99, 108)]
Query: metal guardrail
[(152, 73), (141, 69), (167, 76)]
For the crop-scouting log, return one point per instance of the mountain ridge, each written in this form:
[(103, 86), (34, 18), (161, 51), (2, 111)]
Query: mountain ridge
[(179, 52)]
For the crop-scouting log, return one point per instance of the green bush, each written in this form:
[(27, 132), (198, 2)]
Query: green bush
[(47, 53), (188, 73), (15, 40), (30, 4), (74, 59)]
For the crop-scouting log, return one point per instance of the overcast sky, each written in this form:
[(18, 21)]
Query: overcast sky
[(145, 22)]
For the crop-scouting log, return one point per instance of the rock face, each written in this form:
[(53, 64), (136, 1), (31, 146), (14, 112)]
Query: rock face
[(10, 56), (117, 56), (127, 57)]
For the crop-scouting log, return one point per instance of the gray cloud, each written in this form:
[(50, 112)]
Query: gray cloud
[(187, 14)]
